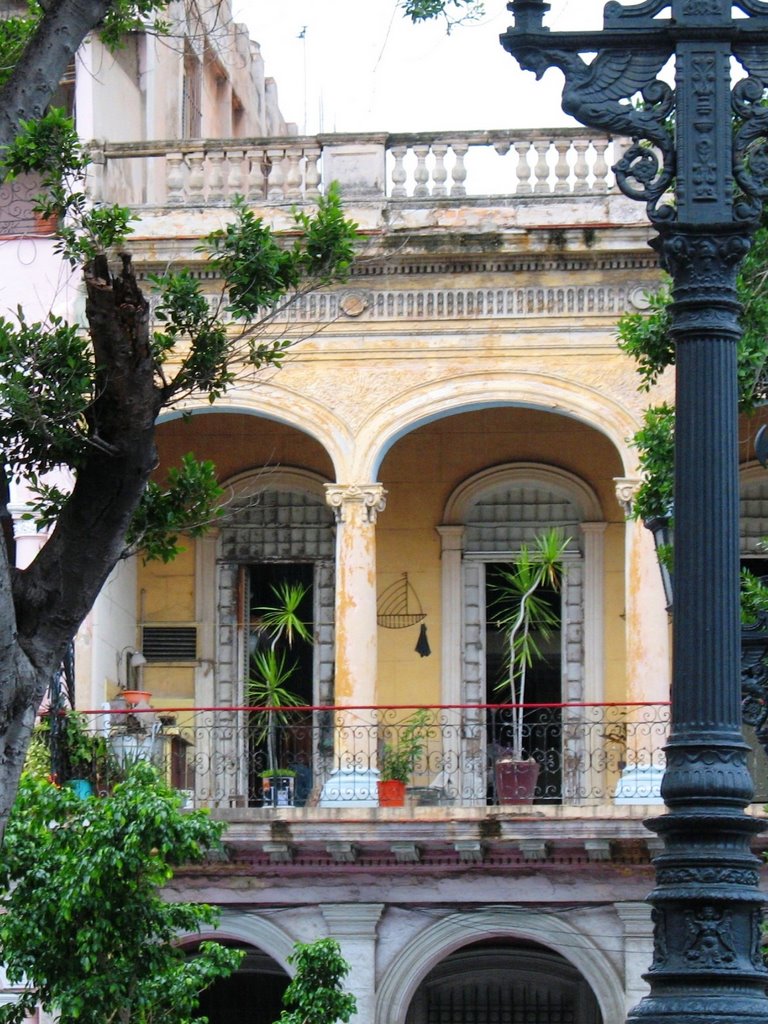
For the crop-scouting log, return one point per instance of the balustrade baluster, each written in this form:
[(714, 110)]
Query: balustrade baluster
[(439, 172), (196, 179), (293, 174), (459, 172), (174, 179), (523, 168), (94, 179), (421, 174), (541, 170), (311, 173), (234, 159), (398, 172), (216, 177), (256, 187), (276, 174), (581, 167), (600, 168), (562, 167)]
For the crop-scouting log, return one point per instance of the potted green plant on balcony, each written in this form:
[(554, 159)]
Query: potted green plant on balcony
[(268, 684), (526, 618), (397, 760)]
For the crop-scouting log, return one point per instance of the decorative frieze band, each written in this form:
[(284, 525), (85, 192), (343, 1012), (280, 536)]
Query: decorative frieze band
[(461, 303)]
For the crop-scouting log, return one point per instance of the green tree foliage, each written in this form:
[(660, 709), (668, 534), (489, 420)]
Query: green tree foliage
[(645, 337), (454, 12), (83, 920), (88, 400), (49, 377), (315, 994)]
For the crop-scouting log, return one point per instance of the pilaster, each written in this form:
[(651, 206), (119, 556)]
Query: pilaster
[(354, 926)]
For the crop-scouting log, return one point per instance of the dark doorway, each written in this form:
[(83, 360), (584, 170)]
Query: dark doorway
[(292, 736), (504, 983), (253, 995), (542, 728)]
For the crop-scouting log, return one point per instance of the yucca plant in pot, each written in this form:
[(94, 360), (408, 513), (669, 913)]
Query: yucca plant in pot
[(268, 686), (526, 618)]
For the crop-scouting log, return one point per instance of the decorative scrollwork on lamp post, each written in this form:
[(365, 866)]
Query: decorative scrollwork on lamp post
[(699, 161)]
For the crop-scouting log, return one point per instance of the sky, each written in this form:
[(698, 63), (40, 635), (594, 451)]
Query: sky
[(358, 65)]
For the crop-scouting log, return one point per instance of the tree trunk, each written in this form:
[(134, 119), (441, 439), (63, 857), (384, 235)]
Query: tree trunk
[(62, 29)]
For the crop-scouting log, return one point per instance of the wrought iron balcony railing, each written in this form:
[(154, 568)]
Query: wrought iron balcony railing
[(331, 756)]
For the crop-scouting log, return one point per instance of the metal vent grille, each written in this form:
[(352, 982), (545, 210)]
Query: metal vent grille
[(169, 643)]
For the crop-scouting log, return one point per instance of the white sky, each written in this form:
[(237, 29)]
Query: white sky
[(363, 67)]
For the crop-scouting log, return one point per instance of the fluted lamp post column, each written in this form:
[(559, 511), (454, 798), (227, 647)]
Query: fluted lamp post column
[(699, 161)]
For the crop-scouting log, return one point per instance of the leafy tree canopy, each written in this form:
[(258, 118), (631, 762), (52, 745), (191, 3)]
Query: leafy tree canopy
[(315, 995), (645, 337), (83, 921), (88, 400)]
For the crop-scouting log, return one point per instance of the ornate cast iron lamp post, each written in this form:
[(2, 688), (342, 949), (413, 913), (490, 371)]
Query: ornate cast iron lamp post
[(699, 160)]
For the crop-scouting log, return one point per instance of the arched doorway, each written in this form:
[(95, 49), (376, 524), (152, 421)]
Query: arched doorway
[(252, 995), (504, 982)]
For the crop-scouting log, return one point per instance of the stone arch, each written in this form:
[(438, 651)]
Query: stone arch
[(465, 495), (248, 929), (262, 976), (430, 947), (290, 409), (753, 512), (471, 392), (521, 499)]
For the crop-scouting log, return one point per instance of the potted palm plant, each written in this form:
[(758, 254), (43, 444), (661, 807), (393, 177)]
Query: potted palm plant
[(397, 760), (526, 618), (268, 685)]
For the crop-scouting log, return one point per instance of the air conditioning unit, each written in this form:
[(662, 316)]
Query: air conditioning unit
[(169, 642)]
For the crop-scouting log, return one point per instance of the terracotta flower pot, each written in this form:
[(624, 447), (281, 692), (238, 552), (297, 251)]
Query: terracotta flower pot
[(391, 793), (133, 697), (515, 780)]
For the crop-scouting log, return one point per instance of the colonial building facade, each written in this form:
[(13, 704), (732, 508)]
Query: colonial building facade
[(460, 395)]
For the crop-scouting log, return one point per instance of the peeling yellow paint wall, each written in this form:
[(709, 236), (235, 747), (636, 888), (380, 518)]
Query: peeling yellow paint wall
[(167, 596)]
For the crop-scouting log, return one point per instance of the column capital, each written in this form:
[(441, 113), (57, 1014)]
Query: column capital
[(626, 489), (352, 920), (451, 536), (370, 498)]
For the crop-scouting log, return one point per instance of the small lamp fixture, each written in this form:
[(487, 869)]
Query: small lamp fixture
[(132, 660), (663, 533)]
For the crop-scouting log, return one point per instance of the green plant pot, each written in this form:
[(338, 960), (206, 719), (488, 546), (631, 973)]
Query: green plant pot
[(277, 789), (81, 787)]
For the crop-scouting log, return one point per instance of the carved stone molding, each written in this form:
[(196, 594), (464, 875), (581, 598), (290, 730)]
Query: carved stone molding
[(436, 304), (626, 489), (371, 497)]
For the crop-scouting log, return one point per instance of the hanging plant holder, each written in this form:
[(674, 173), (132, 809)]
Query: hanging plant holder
[(399, 606)]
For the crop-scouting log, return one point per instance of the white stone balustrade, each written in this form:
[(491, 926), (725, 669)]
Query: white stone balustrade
[(434, 166)]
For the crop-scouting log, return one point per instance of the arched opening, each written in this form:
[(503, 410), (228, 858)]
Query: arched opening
[(504, 981), (252, 995)]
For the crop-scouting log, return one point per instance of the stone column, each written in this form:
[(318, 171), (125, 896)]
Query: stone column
[(353, 925), (638, 948), (648, 664), (452, 545), (356, 508)]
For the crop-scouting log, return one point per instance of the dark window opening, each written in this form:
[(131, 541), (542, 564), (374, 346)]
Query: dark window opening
[(541, 727)]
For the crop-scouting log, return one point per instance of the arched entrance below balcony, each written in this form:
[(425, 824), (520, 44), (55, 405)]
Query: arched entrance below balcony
[(505, 982), (252, 995)]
